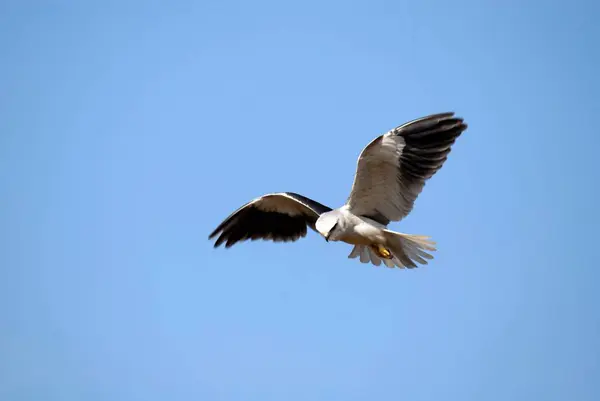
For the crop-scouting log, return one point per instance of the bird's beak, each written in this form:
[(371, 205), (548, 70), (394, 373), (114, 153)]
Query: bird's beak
[(327, 236)]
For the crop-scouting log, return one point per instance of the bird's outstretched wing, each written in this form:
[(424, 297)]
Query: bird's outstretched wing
[(393, 168), (278, 217)]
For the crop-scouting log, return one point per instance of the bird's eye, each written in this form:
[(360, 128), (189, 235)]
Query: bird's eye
[(334, 226)]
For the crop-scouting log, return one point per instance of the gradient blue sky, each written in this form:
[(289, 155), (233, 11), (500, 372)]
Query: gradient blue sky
[(129, 130)]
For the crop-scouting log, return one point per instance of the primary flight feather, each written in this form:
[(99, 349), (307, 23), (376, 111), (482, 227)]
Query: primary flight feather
[(391, 172)]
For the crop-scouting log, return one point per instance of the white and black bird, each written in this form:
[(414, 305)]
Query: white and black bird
[(391, 173)]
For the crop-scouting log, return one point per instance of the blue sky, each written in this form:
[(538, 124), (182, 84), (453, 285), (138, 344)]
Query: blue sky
[(129, 131)]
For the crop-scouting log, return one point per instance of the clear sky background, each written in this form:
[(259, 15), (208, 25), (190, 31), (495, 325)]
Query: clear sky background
[(129, 130)]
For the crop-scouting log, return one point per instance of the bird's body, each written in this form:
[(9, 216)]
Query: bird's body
[(361, 231), (355, 230), (391, 173)]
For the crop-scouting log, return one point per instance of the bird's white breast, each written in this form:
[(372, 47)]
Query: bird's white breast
[(360, 231)]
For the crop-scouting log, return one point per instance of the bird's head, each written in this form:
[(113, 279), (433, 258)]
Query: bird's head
[(327, 225)]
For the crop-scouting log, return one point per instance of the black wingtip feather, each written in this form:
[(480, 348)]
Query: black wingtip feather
[(423, 123)]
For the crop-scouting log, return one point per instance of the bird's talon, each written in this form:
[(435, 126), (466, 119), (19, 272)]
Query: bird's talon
[(382, 251)]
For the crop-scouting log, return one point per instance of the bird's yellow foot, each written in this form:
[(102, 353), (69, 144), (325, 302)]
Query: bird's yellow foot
[(382, 251)]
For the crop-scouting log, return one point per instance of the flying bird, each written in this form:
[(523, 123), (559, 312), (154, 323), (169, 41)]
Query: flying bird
[(391, 172)]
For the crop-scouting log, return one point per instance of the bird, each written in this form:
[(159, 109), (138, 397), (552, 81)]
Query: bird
[(390, 174)]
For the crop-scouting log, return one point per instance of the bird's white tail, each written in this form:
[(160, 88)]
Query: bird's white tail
[(406, 249)]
